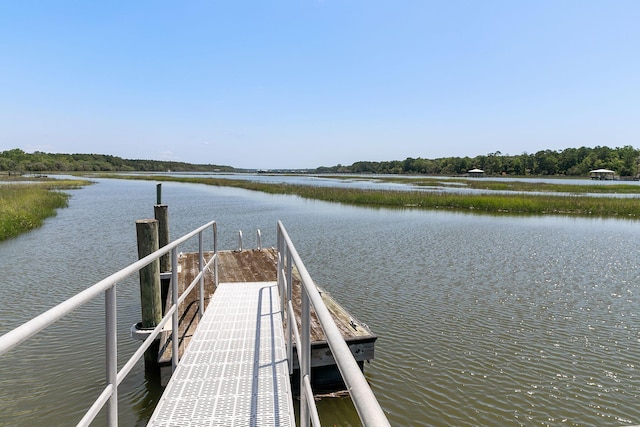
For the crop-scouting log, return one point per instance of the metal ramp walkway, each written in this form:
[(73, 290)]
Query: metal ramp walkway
[(234, 372)]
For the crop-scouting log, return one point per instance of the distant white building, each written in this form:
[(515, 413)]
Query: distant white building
[(476, 172)]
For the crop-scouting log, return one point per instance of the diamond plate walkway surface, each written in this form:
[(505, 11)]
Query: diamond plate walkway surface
[(234, 372)]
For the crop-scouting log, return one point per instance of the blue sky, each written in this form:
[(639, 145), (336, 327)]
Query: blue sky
[(308, 83)]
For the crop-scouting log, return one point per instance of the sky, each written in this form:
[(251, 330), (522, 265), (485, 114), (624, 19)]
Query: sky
[(306, 83)]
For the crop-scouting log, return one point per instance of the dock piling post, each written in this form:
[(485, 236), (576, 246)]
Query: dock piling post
[(150, 293), (161, 213)]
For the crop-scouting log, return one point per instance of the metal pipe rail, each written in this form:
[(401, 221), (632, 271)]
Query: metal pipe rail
[(109, 396), (258, 240), (365, 402)]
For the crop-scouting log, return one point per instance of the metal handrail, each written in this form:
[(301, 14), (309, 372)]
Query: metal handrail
[(109, 395), (258, 240), (365, 402)]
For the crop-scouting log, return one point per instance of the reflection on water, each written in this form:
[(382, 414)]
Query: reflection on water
[(482, 320)]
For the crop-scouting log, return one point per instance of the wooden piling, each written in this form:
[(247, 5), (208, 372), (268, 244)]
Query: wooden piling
[(162, 216), (150, 293), (159, 194)]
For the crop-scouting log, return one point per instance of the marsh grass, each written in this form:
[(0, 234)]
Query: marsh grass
[(554, 188), (499, 203), (513, 185), (25, 206)]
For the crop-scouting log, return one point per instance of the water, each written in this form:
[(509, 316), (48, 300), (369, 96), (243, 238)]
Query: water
[(482, 320)]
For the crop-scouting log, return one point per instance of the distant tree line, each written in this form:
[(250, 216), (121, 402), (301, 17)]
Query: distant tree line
[(569, 162), (17, 160)]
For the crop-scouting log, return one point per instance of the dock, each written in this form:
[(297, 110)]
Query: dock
[(233, 366), (260, 265)]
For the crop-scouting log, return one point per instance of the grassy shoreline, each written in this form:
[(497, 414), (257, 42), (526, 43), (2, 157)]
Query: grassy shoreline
[(513, 184), (498, 203), (25, 206)]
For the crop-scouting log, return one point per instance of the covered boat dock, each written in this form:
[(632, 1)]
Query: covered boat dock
[(602, 174)]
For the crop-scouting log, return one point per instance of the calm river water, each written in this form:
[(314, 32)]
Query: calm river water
[(482, 320)]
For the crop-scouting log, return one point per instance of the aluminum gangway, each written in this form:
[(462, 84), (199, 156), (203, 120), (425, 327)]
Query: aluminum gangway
[(255, 324), (234, 371)]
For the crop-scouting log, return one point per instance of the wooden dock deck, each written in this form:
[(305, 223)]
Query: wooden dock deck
[(260, 266)]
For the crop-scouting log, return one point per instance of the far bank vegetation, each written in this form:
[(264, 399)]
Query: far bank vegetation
[(568, 162), (17, 161)]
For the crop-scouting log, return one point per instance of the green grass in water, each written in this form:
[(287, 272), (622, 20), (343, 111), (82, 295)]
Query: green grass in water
[(24, 207)]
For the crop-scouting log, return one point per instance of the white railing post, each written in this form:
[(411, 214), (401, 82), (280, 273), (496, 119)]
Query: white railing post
[(174, 301), (289, 274), (215, 254), (201, 267), (240, 240), (304, 348), (284, 301), (279, 278), (289, 280), (111, 332), (259, 239), (313, 409)]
